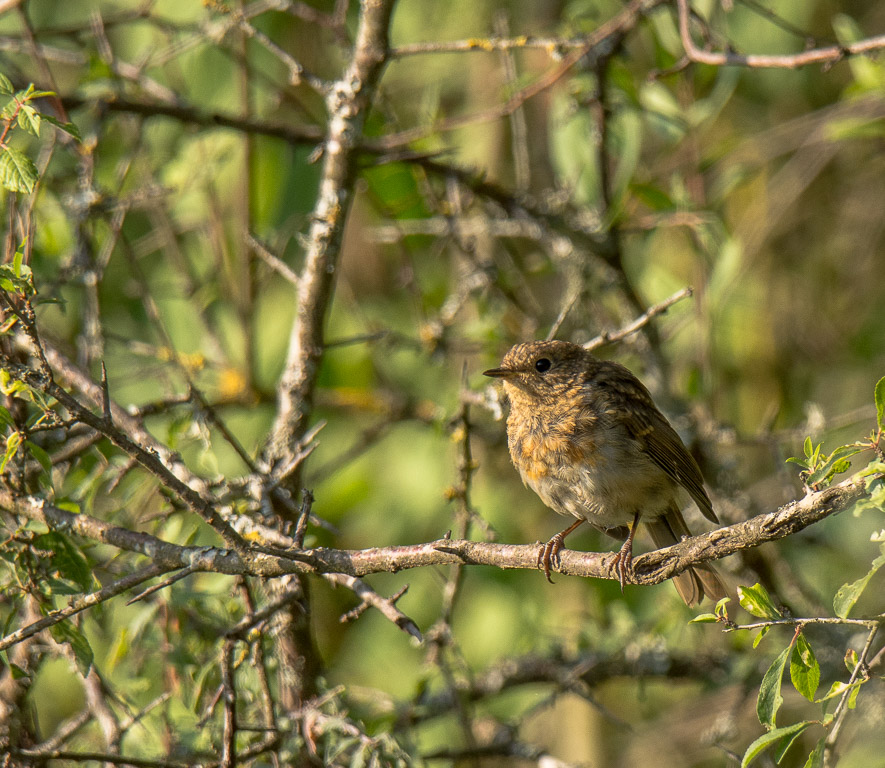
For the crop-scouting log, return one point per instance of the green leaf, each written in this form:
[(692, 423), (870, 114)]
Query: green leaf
[(18, 673), (848, 594), (880, 403), (704, 618), (758, 639), (804, 669), (809, 448), (851, 659), (65, 632), (838, 688), (12, 443), (6, 86), (816, 758), (757, 601), (833, 464), (652, 196), (29, 119), (68, 128), (769, 700), (785, 743), (17, 172), (67, 559), (40, 455), (768, 739), (852, 697), (17, 262)]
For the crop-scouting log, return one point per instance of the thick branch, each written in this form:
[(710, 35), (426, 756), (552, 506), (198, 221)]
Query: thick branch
[(651, 568), (348, 104)]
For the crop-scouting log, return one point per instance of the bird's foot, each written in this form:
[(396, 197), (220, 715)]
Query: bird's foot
[(548, 554), (622, 563)]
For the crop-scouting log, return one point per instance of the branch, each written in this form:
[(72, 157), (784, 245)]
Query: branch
[(387, 606), (830, 53), (565, 670), (81, 604), (651, 568), (348, 103), (644, 319), (158, 462)]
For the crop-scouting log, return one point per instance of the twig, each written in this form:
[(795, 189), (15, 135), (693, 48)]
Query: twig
[(275, 263), (842, 707), (303, 517), (105, 395), (611, 336), (598, 43), (387, 606), (82, 603), (830, 53), (127, 433), (229, 698), (182, 574)]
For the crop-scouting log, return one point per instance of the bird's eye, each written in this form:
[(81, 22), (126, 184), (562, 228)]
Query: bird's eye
[(542, 365)]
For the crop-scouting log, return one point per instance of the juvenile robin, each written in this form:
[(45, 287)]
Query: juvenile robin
[(586, 436)]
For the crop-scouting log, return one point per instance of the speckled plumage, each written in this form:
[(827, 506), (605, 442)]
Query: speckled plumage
[(586, 436)]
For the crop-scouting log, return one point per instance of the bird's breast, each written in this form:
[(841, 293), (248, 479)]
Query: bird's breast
[(580, 463)]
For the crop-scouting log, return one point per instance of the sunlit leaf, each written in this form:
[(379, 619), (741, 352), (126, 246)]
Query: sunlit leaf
[(804, 669), (848, 594), (771, 738), (29, 119), (838, 688), (835, 463), (17, 172), (13, 441), (769, 700), (757, 601)]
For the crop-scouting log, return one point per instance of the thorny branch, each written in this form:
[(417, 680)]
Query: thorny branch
[(651, 568)]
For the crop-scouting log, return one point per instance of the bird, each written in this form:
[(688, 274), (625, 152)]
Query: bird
[(587, 438)]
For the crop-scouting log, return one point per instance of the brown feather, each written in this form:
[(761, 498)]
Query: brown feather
[(656, 437), (697, 581)]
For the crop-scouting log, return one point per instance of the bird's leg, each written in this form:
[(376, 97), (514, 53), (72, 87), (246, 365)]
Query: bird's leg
[(622, 562), (550, 551)]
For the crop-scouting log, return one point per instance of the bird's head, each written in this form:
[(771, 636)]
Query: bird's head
[(541, 370)]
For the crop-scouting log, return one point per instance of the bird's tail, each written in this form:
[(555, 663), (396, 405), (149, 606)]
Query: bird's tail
[(697, 581)]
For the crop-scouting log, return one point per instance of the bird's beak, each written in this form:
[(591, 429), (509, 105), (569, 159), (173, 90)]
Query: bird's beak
[(500, 373)]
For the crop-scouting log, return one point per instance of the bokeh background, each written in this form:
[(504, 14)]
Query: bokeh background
[(482, 217)]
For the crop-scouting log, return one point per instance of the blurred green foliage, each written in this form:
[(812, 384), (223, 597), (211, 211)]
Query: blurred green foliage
[(761, 189)]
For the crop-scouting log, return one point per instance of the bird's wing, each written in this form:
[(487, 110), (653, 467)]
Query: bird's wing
[(648, 426)]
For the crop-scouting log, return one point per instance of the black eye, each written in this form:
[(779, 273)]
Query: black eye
[(542, 365)]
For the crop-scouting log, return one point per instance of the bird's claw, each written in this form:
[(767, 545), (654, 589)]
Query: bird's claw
[(622, 564), (548, 554)]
